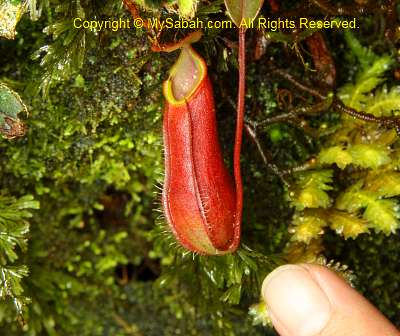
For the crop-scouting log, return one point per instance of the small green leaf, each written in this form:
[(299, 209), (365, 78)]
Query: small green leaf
[(354, 95), (365, 55), (311, 188), (362, 155), (385, 185), (384, 102), (353, 198), (232, 295), (260, 314), (242, 12), (28, 202), (335, 154), (307, 227), (383, 215), (276, 134), (369, 155), (187, 8), (10, 280), (348, 225)]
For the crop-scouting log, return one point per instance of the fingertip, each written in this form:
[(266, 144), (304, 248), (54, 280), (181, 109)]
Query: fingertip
[(292, 297), (312, 300)]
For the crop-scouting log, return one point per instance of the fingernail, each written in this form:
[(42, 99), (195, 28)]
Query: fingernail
[(296, 301)]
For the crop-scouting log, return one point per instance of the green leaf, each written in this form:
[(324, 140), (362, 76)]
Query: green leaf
[(259, 313), (242, 12), (348, 225), (383, 215), (12, 236), (187, 8), (384, 102), (307, 227), (13, 226), (10, 280), (364, 55), (27, 202), (11, 285), (232, 295), (385, 185), (310, 190), (384, 137), (353, 198), (354, 95), (335, 154), (298, 252), (65, 55), (362, 155), (369, 155), (34, 8)]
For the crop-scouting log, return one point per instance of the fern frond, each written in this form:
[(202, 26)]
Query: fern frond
[(369, 155), (354, 95), (347, 225), (306, 227), (64, 56), (353, 198), (310, 191), (384, 102), (13, 232), (385, 185), (10, 280), (297, 252), (383, 215), (335, 154), (364, 55)]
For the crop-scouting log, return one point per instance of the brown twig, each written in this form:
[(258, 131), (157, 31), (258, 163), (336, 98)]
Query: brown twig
[(352, 10), (337, 104), (284, 74), (265, 155), (294, 113), (303, 167), (390, 122)]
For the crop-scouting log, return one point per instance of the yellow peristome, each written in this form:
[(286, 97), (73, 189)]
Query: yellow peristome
[(177, 67)]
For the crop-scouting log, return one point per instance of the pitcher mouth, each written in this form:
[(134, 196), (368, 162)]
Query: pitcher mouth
[(185, 76)]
